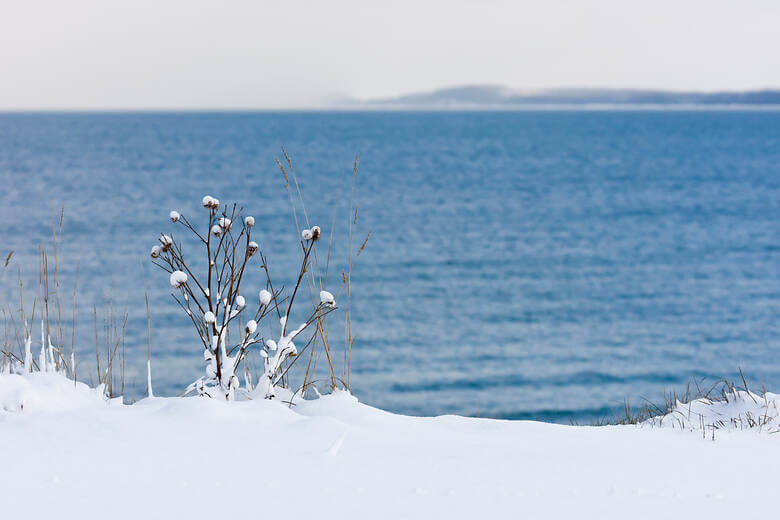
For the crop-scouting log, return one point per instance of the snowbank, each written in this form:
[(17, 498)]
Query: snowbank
[(735, 410), (337, 458), (46, 391)]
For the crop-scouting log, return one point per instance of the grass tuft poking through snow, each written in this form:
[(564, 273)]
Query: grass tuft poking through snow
[(720, 407), (734, 410)]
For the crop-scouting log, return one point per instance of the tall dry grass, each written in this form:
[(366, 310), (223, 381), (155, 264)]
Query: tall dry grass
[(22, 319), (319, 279)]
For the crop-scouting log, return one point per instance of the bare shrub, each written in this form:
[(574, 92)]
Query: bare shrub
[(215, 305)]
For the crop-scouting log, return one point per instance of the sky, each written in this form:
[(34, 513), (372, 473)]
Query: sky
[(141, 54)]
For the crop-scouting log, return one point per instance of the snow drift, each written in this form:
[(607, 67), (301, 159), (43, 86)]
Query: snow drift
[(68, 453), (49, 392)]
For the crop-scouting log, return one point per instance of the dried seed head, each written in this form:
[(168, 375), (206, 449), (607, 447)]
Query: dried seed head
[(177, 279), (252, 248), (174, 216), (249, 221), (216, 230), (306, 234), (316, 233), (156, 251)]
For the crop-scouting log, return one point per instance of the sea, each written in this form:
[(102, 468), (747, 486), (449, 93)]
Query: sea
[(545, 264)]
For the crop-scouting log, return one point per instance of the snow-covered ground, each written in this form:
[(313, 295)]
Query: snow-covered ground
[(67, 453)]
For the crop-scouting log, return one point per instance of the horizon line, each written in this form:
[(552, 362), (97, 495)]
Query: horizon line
[(380, 107)]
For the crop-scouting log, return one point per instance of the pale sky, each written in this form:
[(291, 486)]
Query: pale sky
[(288, 53)]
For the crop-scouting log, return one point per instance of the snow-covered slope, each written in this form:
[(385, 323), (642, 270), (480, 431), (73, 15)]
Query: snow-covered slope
[(337, 458)]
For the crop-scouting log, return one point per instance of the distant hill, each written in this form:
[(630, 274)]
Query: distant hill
[(475, 96)]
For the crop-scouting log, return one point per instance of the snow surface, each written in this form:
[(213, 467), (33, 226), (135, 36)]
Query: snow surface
[(71, 454)]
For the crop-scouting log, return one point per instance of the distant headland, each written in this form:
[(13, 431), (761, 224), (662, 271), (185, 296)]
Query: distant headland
[(497, 96)]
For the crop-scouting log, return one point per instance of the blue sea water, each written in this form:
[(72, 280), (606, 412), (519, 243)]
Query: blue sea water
[(541, 265)]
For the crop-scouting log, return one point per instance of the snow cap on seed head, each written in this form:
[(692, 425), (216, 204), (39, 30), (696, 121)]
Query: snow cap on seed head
[(316, 233), (174, 216), (252, 248), (209, 317), (225, 223), (306, 234), (210, 202), (155, 251), (166, 242), (251, 327), (178, 278), (265, 297), (216, 230), (271, 344), (327, 298), (250, 221), (240, 301)]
